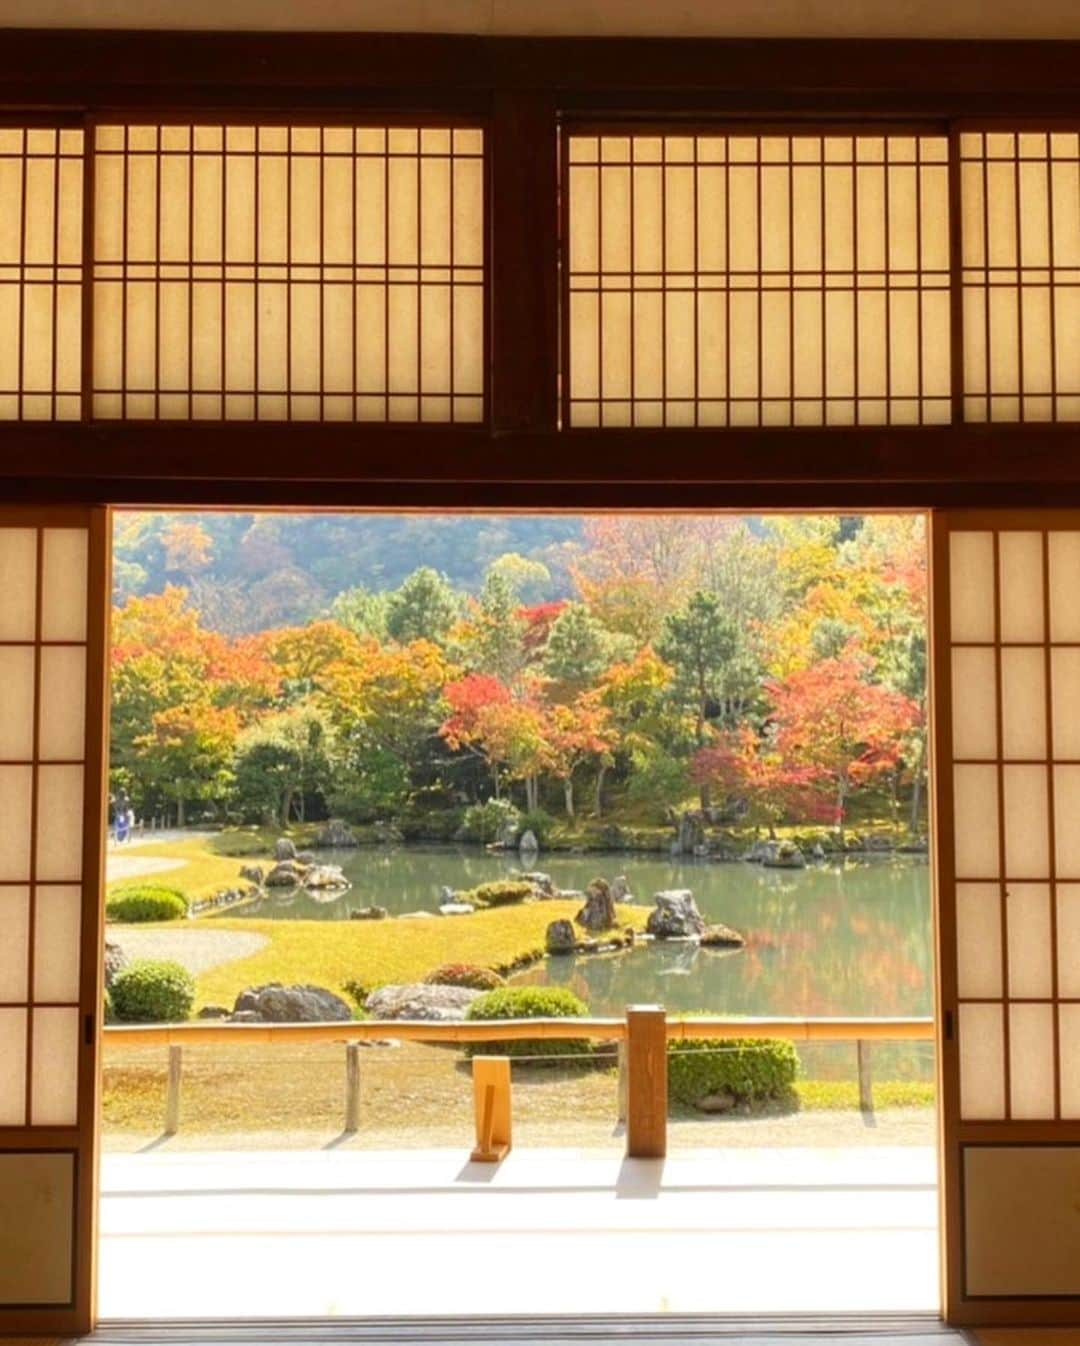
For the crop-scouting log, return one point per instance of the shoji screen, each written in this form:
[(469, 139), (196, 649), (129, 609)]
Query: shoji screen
[(1007, 702), (52, 658), (748, 280), (41, 204), (288, 273)]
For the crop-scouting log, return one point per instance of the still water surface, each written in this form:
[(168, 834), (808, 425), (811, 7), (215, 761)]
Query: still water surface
[(852, 938)]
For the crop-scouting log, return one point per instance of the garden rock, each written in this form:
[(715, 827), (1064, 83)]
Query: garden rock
[(675, 916), (529, 842), (784, 855), (598, 913), (421, 1000), (213, 1012), (560, 937), (287, 874), (284, 849), (307, 858), (277, 1004), (507, 837), (253, 874), (336, 836), (721, 1101), (368, 914), (415, 915), (115, 962), (325, 876), (721, 937), (620, 889), (456, 909), (540, 881)]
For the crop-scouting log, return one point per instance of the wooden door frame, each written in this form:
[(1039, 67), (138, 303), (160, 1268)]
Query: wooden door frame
[(520, 458)]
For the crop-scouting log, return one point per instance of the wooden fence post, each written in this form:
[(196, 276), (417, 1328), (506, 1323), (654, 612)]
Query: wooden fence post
[(352, 1087), (624, 1083), (172, 1091), (866, 1078), (646, 1051), (491, 1100)]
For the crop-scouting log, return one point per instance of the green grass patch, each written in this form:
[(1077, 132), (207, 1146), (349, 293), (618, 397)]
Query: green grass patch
[(843, 1095), (375, 953)]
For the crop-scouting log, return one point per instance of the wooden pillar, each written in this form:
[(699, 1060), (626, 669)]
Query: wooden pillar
[(352, 1087), (172, 1091), (646, 1052), (624, 1088), (491, 1099)]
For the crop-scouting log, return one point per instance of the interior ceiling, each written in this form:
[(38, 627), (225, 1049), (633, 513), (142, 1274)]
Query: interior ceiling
[(677, 18)]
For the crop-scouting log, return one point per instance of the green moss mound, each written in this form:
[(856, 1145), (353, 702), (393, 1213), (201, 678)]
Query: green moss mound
[(498, 893), (146, 902), (153, 990), (465, 974), (530, 1002)]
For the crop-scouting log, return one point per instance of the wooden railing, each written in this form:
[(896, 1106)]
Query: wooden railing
[(642, 1038)]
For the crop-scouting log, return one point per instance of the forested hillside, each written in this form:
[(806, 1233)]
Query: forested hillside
[(250, 572)]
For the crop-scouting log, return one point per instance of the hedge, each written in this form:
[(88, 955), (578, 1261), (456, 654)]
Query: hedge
[(146, 902), (465, 974), (152, 990), (751, 1070), (529, 1002)]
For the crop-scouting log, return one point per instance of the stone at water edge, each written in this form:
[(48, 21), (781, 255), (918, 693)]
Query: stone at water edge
[(620, 889), (675, 916), (783, 855), (325, 876), (285, 874), (336, 836), (277, 1004), (369, 914), (529, 842), (721, 937), (284, 849), (540, 881), (253, 873), (598, 913), (421, 1000), (560, 937), (456, 909)]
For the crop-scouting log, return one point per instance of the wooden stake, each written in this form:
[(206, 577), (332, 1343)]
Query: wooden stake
[(172, 1091), (352, 1087), (491, 1098)]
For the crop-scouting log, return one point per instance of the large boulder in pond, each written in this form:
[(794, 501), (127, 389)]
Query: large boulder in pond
[(560, 937), (277, 1004), (675, 916), (325, 876), (253, 873), (284, 849), (286, 874), (528, 845), (598, 913), (421, 1001), (721, 937), (783, 855)]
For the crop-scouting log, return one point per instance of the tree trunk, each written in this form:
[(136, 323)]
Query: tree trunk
[(286, 805), (601, 772), (179, 810), (495, 778), (916, 788), (568, 795)]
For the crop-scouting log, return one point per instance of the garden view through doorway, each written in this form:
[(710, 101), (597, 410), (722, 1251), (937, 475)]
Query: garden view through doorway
[(451, 768)]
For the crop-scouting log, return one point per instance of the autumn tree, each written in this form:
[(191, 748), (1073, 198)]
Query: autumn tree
[(506, 732), (187, 755), (280, 761), (841, 729), (575, 733)]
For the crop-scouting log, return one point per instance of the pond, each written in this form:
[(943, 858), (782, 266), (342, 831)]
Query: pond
[(845, 938)]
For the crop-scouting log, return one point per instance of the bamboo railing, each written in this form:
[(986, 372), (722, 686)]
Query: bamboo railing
[(642, 1038)]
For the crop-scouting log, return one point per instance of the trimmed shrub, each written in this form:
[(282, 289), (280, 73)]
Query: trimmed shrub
[(751, 1070), (529, 1002), (153, 990), (484, 822), (465, 974), (498, 893), (146, 902)]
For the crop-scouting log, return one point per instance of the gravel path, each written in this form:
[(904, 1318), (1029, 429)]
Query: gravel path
[(197, 950), (133, 866)]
